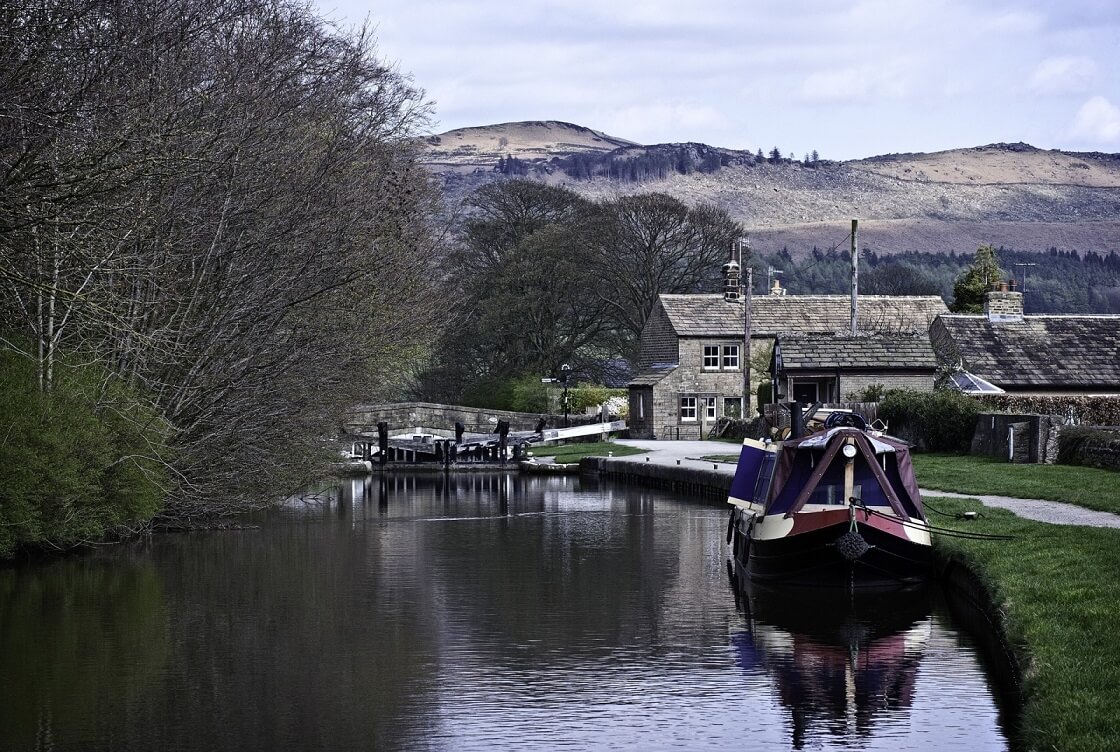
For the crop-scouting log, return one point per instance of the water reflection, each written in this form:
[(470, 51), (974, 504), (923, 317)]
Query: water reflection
[(464, 612), (841, 662)]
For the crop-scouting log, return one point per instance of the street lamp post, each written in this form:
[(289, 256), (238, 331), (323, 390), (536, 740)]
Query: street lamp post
[(565, 372)]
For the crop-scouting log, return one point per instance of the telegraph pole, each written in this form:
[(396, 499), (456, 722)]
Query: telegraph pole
[(855, 277), (748, 290)]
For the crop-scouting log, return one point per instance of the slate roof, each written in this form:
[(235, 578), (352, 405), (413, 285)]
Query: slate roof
[(1039, 351), (653, 374), (771, 315), (877, 352)]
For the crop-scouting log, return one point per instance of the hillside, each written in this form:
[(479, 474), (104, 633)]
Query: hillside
[(471, 149), (1006, 194)]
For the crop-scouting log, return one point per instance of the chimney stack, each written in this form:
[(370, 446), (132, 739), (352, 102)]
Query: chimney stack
[(731, 284), (1003, 305)]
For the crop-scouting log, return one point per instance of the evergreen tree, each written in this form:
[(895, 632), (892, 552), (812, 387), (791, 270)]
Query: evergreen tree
[(979, 278)]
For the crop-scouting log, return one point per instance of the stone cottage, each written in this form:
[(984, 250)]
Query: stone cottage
[(693, 350), (1030, 354), (820, 368)]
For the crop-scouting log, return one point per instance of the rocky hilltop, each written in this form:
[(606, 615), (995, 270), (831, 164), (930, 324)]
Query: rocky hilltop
[(1007, 194)]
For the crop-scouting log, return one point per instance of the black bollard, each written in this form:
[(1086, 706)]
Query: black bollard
[(503, 434), (383, 442)]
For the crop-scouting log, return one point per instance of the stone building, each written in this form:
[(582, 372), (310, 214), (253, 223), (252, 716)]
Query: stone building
[(693, 351), (840, 368), (1030, 354)]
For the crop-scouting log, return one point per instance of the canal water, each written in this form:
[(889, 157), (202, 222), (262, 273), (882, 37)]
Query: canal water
[(477, 612)]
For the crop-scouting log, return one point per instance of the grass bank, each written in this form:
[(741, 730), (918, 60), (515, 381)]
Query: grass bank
[(574, 452), (1056, 589), (1084, 486)]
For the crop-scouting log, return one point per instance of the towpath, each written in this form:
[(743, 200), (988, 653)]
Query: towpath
[(689, 454)]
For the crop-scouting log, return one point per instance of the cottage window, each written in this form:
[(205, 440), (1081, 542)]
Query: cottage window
[(709, 408), (730, 357), (641, 406), (711, 357), (688, 408)]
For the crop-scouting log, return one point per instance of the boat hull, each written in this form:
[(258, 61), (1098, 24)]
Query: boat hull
[(812, 557)]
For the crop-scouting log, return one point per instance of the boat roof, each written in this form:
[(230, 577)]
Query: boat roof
[(820, 440), (905, 500)]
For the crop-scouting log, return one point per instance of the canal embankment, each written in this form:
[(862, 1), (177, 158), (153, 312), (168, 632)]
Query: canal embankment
[(1047, 598)]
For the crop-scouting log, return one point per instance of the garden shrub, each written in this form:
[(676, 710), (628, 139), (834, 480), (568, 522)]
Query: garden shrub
[(938, 421), (75, 462)]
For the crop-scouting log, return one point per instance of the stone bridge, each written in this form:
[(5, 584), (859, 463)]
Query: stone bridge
[(439, 420)]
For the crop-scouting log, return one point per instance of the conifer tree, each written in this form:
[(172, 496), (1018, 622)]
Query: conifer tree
[(976, 281)]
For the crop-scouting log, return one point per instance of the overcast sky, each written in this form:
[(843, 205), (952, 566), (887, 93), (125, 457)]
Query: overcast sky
[(845, 77)]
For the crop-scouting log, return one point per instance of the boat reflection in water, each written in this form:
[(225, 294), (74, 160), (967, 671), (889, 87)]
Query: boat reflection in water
[(843, 663)]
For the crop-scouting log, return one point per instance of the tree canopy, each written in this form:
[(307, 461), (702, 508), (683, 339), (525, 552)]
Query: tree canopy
[(217, 203), (979, 278)]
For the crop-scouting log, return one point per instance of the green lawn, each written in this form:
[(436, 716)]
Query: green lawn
[(729, 458), (566, 453), (1058, 591), (1084, 486)]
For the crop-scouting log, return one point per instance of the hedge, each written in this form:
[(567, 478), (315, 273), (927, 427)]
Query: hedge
[(938, 421)]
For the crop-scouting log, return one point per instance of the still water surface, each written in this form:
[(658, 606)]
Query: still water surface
[(484, 612)]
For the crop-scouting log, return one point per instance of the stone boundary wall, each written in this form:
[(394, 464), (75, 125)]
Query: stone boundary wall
[(1093, 410), (1036, 437), (1101, 454), (1091, 446), (694, 480)]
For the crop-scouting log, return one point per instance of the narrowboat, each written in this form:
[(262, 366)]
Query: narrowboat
[(836, 507)]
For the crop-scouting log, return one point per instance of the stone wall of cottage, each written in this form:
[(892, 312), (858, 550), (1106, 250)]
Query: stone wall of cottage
[(666, 406), (642, 416), (853, 385), (690, 378)]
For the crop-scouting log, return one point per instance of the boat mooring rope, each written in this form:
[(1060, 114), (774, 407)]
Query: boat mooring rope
[(947, 532)]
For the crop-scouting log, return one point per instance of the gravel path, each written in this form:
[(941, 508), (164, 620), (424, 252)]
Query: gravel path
[(1054, 512)]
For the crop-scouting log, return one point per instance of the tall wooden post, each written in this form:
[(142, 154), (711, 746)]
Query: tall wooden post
[(855, 276), (747, 344), (748, 292)]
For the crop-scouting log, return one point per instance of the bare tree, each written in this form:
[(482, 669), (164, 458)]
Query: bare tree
[(650, 244), (218, 201)]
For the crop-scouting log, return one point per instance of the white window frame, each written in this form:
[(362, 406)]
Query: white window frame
[(641, 406), (711, 362), (709, 407), (729, 360), (688, 409)]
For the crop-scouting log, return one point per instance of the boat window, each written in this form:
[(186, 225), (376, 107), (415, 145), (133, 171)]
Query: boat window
[(833, 494), (765, 476)]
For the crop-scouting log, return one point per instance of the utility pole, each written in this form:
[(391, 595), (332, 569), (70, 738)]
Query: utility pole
[(1025, 265), (748, 291), (855, 276), (770, 273)]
